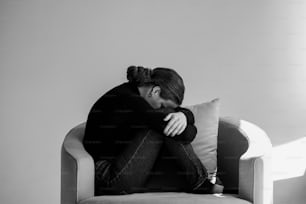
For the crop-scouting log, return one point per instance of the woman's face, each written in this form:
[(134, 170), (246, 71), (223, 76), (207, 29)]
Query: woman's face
[(156, 101)]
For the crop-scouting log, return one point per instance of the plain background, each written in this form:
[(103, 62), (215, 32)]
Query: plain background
[(58, 57)]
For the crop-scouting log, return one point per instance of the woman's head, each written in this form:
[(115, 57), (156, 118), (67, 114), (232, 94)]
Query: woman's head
[(161, 86)]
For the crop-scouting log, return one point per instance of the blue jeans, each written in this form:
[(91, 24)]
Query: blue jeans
[(128, 172)]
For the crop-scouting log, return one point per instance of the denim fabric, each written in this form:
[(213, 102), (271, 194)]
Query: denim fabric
[(128, 172), (190, 165)]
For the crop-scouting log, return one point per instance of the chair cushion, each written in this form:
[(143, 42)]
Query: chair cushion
[(205, 144), (165, 198)]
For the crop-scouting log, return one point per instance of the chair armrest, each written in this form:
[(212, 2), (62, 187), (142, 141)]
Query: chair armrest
[(255, 178), (77, 168)]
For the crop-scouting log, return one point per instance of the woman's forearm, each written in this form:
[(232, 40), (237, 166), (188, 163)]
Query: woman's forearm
[(188, 135)]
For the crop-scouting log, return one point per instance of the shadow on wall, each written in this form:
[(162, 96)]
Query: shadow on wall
[(289, 160)]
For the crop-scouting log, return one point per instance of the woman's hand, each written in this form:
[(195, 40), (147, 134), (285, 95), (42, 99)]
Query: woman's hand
[(176, 125)]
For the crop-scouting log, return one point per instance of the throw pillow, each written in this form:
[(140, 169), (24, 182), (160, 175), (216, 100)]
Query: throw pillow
[(205, 143)]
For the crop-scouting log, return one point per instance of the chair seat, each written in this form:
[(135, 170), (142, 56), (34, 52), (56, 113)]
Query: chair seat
[(166, 198)]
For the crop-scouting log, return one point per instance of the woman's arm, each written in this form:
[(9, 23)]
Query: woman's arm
[(155, 117), (188, 135)]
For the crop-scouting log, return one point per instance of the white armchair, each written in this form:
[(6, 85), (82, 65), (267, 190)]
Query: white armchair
[(244, 159)]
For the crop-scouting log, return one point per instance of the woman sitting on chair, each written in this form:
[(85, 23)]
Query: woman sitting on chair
[(129, 124)]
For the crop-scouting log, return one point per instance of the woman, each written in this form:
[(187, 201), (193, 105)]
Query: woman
[(129, 124)]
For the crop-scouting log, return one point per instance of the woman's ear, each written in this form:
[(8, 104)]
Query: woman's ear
[(156, 90)]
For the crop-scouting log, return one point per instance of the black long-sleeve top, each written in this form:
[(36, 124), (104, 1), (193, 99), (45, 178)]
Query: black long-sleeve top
[(119, 113)]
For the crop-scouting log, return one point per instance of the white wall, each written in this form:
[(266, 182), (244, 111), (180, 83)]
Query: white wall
[(58, 57)]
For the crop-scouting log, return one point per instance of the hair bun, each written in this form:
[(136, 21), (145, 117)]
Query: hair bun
[(139, 75)]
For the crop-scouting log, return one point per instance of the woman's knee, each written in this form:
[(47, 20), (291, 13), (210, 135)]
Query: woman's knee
[(149, 134)]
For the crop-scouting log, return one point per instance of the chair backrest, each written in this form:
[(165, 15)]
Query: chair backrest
[(76, 134), (71, 191), (232, 143)]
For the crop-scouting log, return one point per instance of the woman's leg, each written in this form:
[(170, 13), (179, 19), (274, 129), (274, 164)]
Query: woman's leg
[(190, 165), (128, 172)]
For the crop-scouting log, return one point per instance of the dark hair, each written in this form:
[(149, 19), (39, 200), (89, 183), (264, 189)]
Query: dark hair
[(170, 82)]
